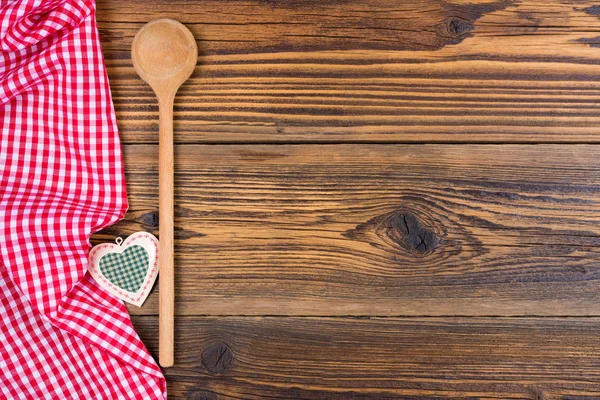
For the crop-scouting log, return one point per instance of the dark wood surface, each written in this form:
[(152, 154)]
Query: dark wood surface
[(375, 358), (374, 70), (357, 229), (375, 199)]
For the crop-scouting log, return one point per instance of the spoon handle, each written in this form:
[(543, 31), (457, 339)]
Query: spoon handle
[(166, 299)]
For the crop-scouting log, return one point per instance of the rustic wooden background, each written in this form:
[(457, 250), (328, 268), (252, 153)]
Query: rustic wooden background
[(375, 199)]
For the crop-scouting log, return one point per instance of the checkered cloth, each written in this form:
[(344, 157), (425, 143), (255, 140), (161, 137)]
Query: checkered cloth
[(61, 179), (128, 269)]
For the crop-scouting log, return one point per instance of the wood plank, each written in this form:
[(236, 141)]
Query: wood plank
[(263, 27), (369, 70), (387, 230), (409, 358)]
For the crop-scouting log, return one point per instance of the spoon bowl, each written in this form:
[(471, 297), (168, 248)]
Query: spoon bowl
[(164, 54)]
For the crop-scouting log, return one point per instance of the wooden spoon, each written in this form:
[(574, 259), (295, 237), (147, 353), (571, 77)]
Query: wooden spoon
[(164, 54)]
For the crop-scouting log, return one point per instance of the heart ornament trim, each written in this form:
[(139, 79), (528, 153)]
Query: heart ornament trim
[(127, 269)]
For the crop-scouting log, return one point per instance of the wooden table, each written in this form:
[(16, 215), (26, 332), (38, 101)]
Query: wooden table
[(375, 199)]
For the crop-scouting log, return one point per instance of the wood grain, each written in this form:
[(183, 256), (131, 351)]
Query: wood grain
[(276, 26), (411, 71), (338, 232), (378, 229), (375, 358)]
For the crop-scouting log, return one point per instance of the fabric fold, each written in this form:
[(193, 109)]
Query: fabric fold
[(62, 179)]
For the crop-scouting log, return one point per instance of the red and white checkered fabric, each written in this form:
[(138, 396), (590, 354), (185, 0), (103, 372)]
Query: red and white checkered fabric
[(61, 178)]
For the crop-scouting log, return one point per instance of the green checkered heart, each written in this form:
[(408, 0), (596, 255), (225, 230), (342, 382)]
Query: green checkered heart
[(126, 270)]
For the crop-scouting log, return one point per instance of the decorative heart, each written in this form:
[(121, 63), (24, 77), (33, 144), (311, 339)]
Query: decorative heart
[(127, 269)]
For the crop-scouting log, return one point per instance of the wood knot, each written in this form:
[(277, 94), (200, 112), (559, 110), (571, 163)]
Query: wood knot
[(592, 10), (150, 219), (459, 26), (201, 395), (400, 228), (537, 394), (217, 357), (406, 230)]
